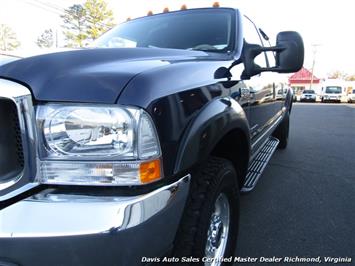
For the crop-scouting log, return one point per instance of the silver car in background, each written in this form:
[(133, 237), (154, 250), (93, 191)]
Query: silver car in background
[(308, 96)]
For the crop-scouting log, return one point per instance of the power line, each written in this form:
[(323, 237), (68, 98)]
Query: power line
[(63, 11), (34, 4), (50, 7)]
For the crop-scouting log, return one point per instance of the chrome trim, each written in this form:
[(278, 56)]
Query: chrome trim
[(18, 191), (218, 232), (13, 90), (264, 136), (48, 214), (274, 125), (21, 96), (258, 150), (11, 182)]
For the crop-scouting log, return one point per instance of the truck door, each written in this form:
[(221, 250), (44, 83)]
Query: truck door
[(262, 101)]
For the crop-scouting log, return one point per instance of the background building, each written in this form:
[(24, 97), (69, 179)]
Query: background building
[(303, 80)]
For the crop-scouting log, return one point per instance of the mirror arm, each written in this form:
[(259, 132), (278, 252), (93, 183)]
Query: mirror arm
[(272, 69), (272, 49), (250, 52)]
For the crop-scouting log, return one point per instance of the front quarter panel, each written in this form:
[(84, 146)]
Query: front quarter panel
[(174, 95)]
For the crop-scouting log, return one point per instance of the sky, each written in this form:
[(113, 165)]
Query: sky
[(327, 27)]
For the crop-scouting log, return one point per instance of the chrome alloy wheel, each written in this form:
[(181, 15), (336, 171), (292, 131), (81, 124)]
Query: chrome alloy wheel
[(217, 235)]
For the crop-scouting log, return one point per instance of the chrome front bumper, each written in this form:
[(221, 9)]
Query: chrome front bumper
[(62, 229)]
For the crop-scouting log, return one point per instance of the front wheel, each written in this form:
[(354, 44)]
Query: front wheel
[(209, 226)]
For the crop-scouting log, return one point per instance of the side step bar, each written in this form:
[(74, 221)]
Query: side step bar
[(257, 166)]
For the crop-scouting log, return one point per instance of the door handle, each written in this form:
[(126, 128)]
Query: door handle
[(244, 93)]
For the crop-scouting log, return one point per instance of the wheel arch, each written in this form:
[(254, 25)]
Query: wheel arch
[(234, 147), (222, 124)]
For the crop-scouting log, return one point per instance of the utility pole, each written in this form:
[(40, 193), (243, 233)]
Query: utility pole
[(313, 63), (56, 38)]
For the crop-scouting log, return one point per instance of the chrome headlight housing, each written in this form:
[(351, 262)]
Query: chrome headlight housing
[(97, 145)]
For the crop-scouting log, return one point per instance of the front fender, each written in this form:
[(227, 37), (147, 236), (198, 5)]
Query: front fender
[(216, 119)]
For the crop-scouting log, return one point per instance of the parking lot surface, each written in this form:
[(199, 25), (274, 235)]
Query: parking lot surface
[(304, 204)]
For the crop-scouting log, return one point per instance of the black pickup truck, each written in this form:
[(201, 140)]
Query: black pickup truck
[(135, 150)]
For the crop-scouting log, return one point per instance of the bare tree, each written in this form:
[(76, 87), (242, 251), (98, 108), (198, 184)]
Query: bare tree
[(8, 39), (46, 40), (337, 74), (350, 77)]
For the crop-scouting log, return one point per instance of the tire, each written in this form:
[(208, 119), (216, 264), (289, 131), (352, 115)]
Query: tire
[(282, 132), (215, 178)]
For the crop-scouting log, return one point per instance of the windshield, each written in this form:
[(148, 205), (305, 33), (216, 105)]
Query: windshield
[(308, 91), (206, 30), (333, 90)]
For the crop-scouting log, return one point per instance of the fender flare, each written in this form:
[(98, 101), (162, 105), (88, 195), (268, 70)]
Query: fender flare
[(215, 120)]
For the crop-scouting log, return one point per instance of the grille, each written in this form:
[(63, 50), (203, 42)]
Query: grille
[(11, 150)]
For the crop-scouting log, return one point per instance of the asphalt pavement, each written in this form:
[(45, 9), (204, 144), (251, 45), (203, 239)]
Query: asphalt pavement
[(304, 204)]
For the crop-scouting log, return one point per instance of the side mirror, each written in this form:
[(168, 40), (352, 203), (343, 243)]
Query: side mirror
[(289, 51)]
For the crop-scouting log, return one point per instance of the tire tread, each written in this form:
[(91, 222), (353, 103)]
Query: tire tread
[(188, 238)]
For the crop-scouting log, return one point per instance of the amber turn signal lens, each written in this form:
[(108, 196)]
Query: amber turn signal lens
[(149, 171)]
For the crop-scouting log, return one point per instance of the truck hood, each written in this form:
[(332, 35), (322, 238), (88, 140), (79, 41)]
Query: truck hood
[(91, 75)]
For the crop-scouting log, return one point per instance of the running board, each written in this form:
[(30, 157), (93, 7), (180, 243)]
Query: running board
[(257, 166)]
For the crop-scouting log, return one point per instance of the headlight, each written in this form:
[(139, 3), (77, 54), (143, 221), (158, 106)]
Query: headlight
[(97, 145), (88, 132)]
